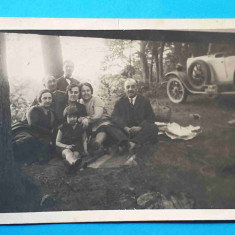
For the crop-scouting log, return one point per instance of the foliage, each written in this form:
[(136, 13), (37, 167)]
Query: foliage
[(111, 85), (122, 58), (148, 62), (155, 90), (19, 104), (178, 52)]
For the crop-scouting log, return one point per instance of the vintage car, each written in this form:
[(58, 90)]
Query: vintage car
[(210, 74)]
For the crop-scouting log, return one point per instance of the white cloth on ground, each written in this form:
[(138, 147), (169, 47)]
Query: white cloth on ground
[(175, 131)]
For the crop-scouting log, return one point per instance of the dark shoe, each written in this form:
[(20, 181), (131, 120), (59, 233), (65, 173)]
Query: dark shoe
[(99, 152), (95, 146), (123, 149), (71, 169), (113, 151)]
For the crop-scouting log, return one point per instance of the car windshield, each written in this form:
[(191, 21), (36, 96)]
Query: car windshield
[(226, 53)]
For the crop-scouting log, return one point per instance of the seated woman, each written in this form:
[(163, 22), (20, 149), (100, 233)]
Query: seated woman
[(73, 95), (96, 119), (34, 142)]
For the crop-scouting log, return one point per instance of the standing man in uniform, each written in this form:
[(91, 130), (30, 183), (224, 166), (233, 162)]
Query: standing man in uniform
[(67, 78)]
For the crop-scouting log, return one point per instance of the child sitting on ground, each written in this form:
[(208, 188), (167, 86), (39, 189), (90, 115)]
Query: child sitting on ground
[(71, 138)]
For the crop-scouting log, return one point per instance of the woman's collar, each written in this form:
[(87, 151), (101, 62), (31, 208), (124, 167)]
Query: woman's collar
[(86, 101)]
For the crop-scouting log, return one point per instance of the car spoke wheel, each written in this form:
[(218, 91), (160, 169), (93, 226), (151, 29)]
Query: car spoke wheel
[(176, 91), (198, 75)]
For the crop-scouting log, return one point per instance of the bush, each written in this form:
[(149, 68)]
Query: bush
[(111, 85), (19, 104), (154, 91)]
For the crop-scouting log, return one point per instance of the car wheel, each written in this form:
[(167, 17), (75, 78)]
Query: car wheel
[(176, 91), (198, 75)]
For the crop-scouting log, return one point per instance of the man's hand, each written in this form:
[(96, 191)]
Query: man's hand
[(135, 129), (132, 131)]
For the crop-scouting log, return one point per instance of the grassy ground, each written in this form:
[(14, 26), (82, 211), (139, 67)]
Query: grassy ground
[(203, 168), (211, 155)]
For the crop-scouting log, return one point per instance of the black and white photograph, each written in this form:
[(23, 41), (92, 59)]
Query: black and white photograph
[(117, 120)]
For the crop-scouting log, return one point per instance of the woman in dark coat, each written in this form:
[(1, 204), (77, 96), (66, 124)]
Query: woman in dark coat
[(33, 141)]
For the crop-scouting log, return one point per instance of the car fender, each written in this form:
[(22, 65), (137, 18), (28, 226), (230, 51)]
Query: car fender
[(181, 75)]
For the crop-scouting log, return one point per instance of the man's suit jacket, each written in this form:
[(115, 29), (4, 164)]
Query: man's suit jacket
[(62, 83), (58, 105), (142, 112)]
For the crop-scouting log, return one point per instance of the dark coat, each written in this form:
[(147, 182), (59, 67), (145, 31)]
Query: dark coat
[(141, 114), (41, 125), (31, 140), (62, 83), (58, 105)]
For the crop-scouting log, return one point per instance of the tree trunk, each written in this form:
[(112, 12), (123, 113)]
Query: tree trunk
[(10, 185), (155, 54), (161, 60), (52, 55), (151, 70), (178, 52), (143, 61)]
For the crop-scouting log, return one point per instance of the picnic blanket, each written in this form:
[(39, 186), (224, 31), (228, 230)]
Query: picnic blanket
[(175, 131)]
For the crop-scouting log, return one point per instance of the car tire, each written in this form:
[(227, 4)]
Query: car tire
[(198, 75), (176, 91)]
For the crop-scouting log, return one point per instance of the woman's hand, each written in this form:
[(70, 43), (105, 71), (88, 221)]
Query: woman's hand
[(85, 122), (127, 130)]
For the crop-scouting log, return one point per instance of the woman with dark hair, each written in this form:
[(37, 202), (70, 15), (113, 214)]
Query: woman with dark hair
[(40, 118), (34, 142), (73, 95)]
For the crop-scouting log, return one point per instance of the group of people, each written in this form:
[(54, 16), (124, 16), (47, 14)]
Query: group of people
[(66, 118)]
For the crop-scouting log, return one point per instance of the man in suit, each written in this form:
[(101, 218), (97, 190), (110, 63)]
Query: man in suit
[(67, 78), (132, 122), (134, 115), (59, 98)]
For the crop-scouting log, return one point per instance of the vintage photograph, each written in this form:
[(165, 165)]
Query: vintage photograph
[(136, 120)]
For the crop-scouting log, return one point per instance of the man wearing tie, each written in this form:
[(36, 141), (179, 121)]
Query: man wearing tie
[(67, 78), (132, 121), (134, 115)]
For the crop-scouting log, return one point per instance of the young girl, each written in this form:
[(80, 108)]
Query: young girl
[(71, 138)]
